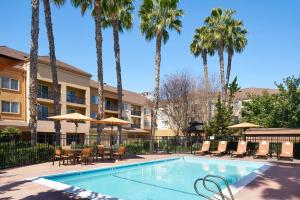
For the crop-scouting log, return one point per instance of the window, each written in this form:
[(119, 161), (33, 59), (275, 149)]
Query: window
[(43, 91), (9, 83), (71, 96), (125, 106), (94, 115), (95, 99), (146, 111), (42, 112), (10, 107), (147, 123)]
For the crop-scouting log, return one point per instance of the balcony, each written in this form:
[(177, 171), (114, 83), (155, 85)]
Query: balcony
[(43, 116), (45, 94), (135, 125), (136, 112), (112, 107), (146, 124), (75, 99)]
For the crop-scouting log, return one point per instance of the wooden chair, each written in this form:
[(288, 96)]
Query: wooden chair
[(263, 150), (221, 149), (100, 151), (241, 149), (204, 149), (86, 155), (58, 155), (287, 150), (120, 153)]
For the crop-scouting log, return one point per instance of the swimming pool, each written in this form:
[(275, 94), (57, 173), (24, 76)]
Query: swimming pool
[(164, 179)]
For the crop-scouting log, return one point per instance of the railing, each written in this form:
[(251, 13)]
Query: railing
[(45, 95), (135, 126), (75, 99), (43, 116), (112, 107), (136, 112)]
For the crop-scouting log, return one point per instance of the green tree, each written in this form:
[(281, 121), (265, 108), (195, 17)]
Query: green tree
[(157, 17), (56, 91), (97, 13), (281, 110), (118, 15), (8, 131), (33, 69)]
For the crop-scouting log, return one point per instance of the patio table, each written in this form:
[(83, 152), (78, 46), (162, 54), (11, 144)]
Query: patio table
[(73, 152), (110, 151)]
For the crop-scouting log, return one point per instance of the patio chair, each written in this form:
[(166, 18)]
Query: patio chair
[(221, 149), (204, 149), (100, 151), (287, 150), (120, 153), (58, 155), (263, 150), (241, 149), (86, 155)]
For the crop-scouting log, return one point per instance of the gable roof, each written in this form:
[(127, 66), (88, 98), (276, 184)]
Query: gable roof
[(12, 53), (128, 96), (243, 94)]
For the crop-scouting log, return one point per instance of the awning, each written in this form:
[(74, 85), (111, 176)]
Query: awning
[(23, 125)]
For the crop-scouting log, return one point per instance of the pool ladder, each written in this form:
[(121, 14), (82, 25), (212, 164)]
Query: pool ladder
[(219, 195)]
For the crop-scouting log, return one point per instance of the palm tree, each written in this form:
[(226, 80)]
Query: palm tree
[(157, 16), (218, 22), (97, 13), (33, 69), (236, 41), (118, 15), (56, 91), (203, 44)]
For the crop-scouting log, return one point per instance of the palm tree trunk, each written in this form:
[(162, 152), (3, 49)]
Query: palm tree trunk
[(156, 85), (221, 62), (56, 91), (118, 71), (99, 39), (205, 67), (33, 69), (229, 61)]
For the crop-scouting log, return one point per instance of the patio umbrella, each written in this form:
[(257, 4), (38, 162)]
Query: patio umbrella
[(244, 126), (112, 121), (73, 117)]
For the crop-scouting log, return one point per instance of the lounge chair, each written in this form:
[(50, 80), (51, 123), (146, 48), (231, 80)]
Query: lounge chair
[(86, 155), (100, 151), (58, 155), (204, 149), (221, 148), (120, 153), (241, 149), (287, 150), (263, 150)]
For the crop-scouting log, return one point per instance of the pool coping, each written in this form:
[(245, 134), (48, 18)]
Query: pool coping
[(83, 193)]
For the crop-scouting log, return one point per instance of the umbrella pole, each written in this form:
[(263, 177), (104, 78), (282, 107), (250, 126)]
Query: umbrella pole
[(111, 130)]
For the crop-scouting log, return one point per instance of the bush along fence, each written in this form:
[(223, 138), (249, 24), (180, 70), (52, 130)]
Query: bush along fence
[(17, 151)]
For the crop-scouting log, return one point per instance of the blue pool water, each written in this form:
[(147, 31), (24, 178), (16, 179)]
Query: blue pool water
[(167, 179)]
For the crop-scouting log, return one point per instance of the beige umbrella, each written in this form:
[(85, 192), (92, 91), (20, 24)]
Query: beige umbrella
[(244, 126), (112, 121), (73, 117)]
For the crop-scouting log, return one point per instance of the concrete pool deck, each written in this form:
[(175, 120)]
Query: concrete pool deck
[(281, 181)]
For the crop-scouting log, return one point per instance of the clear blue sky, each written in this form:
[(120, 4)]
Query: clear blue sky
[(272, 52)]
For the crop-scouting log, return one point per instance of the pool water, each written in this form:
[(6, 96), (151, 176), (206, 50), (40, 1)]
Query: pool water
[(166, 179)]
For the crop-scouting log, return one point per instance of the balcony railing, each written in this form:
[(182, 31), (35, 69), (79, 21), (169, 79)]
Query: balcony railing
[(146, 124), (45, 95), (112, 107), (43, 116), (136, 112), (135, 126), (75, 99)]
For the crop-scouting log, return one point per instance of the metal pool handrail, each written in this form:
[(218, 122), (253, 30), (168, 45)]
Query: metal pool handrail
[(219, 192)]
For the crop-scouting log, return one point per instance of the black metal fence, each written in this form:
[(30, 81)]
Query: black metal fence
[(17, 150)]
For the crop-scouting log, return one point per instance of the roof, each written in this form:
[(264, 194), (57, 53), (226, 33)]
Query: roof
[(243, 94), (12, 53), (64, 66), (128, 96), (272, 131)]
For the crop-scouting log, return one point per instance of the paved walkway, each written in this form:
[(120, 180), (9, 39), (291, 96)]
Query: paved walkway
[(280, 182)]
